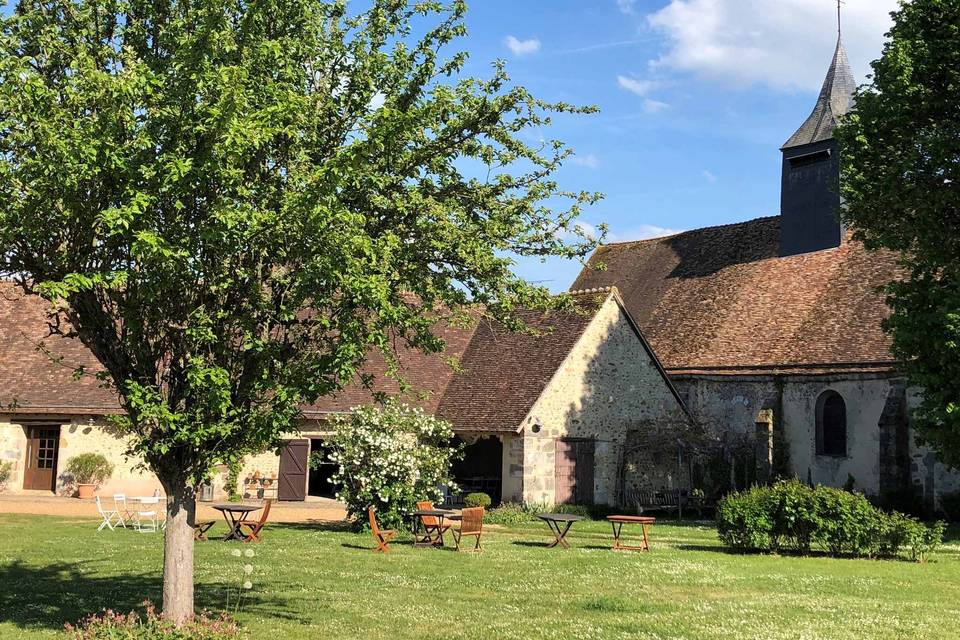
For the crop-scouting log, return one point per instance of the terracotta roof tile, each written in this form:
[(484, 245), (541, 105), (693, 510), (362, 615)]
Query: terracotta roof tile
[(30, 380), (721, 298)]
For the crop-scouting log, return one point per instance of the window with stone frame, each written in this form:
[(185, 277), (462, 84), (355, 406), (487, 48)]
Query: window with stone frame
[(831, 425)]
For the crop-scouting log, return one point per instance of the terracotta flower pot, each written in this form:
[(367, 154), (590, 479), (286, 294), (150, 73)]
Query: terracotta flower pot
[(85, 491)]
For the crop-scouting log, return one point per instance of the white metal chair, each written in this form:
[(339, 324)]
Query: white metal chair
[(122, 509), (147, 516), (108, 516)]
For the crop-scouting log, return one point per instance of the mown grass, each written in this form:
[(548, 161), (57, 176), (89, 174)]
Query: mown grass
[(312, 582)]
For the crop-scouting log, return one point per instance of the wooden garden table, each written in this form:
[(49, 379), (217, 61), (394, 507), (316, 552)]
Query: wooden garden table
[(617, 523), (554, 520), (233, 513), (428, 539)]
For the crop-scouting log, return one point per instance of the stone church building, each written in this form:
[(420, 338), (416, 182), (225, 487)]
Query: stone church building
[(771, 329)]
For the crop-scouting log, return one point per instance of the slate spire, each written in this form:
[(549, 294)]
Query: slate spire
[(835, 100)]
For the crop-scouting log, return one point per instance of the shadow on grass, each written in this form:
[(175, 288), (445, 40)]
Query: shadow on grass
[(51, 595), (530, 543)]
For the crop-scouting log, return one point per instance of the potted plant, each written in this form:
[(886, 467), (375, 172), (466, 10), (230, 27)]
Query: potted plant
[(89, 470)]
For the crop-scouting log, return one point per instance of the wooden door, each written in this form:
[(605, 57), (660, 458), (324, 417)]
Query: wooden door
[(43, 447), (293, 470), (574, 472)]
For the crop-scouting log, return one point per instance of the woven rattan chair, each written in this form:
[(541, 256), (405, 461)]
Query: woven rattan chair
[(471, 524)]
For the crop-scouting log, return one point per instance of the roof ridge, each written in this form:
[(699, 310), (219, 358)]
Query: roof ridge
[(581, 292), (680, 233)]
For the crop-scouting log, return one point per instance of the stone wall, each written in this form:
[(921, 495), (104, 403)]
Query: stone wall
[(13, 448), (883, 457), (607, 386)]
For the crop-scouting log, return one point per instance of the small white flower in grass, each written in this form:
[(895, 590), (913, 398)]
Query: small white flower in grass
[(236, 553), (248, 585), (248, 569), (249, 553)]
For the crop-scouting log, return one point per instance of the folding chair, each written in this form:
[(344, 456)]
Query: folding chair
[(432, 529), (144, 511), (108, 516), (122, 509), (254, 527), (471, 524), (381, 536)]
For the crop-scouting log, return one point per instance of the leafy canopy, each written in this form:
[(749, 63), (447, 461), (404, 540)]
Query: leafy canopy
[(231, 203), (901, 172)]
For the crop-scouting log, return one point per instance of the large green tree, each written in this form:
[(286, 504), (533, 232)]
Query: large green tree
[(901, 181), (232, 202)]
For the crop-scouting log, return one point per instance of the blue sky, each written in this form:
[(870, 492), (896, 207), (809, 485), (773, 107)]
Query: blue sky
[(696, 97)]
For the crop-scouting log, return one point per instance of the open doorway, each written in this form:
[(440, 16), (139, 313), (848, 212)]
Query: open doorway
[(481, 468), (318, 483)]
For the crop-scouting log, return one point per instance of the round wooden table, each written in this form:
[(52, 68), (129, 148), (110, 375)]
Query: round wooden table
[(233, 513)]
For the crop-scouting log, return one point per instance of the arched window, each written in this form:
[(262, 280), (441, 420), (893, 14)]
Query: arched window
[(831, 425)]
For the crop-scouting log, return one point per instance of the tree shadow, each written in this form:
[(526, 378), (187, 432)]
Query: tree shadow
[(49, 596), (530, 543)]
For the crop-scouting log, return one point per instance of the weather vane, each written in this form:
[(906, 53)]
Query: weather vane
[(839, 2)]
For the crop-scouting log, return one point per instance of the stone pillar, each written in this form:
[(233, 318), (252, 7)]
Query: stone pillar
[(763, 452)]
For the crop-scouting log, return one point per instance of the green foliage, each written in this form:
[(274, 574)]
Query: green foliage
[(235, 203), (900, 154), (89, 468), (390, 457), (792, 516), (233, 479), (508, 513), (6, 471), (111, 625), (477, 500)]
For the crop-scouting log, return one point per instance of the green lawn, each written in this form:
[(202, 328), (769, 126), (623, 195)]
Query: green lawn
[(313, 583)]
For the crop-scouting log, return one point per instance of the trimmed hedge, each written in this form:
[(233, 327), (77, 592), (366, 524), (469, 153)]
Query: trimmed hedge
[(792, 516)]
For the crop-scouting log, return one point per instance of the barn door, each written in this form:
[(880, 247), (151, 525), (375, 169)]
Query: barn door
[(293, 470), (43, 445), (574, 472)]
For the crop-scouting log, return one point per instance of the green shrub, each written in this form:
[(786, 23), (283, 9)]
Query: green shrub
[(508, 513), (390, 457), (89, 468), (477, 500), (6, 470), (745, 520), (950, 503), (793, 516), (111, 625)]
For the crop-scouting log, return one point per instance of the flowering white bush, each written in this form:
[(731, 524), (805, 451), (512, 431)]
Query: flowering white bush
[(390, 457)]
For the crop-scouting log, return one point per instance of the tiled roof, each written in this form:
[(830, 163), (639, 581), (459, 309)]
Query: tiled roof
[(835, 100), (720, 300), (500, 375), (504, 372), (31, 381)]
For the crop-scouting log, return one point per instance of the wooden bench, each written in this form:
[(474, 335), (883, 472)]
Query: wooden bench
[(668, 500), (617, 523)]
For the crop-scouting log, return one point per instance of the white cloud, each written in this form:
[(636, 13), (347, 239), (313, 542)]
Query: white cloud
[(709, 176), (784, 44), (626, 6), (654, 106), (521, 47), (589, 161), (633, 85), (642, 232)]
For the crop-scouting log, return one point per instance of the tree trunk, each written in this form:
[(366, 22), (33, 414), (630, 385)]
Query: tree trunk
[(178, 553)]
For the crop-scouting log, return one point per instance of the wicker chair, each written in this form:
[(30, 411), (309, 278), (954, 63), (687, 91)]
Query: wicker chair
[(381, 536), (433, 532), (471, 524)]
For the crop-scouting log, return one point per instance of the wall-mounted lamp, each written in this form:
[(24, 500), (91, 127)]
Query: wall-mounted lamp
[(535, 428)]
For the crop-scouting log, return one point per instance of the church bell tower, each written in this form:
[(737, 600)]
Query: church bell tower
[(809, 190)]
